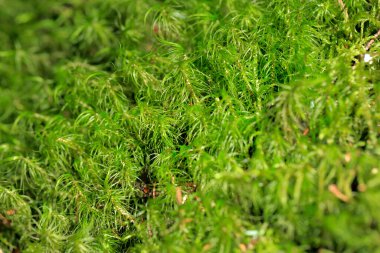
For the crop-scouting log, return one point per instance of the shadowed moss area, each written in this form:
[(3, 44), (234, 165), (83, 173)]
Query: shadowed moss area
[(189, 126)]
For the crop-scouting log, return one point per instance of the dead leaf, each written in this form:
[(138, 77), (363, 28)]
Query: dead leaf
[(187, 220), (347, 157), (178, 195), (252, 243), (362, 187), (207, 247), (156, 29), (192, 186), (11, 212), (242, 247), (6, 222)]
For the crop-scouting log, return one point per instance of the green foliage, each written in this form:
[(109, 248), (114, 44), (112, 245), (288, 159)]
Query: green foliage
[(189, 126)]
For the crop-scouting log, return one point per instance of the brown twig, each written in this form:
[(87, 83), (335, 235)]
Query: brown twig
[(370, 43), (333, 188)]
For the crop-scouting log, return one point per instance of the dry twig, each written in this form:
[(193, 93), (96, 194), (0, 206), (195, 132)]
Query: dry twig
[(333, 188), (370, 43)]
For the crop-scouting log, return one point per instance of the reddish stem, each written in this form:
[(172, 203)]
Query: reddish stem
[(370, 43)]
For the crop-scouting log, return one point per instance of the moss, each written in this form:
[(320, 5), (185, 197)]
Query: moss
[(189, 126)]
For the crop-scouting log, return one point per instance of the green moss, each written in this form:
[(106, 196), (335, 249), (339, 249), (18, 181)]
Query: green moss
[(189, 126)]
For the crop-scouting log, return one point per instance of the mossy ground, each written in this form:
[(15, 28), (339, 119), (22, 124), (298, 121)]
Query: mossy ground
[(189, 126)]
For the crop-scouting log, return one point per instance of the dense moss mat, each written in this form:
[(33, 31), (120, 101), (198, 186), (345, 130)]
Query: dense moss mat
[(189, 126)]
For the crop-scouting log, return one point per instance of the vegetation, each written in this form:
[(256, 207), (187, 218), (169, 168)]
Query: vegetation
[(189, 126)]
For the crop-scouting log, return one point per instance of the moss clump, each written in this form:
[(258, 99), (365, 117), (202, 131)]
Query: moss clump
[(189, 126)]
